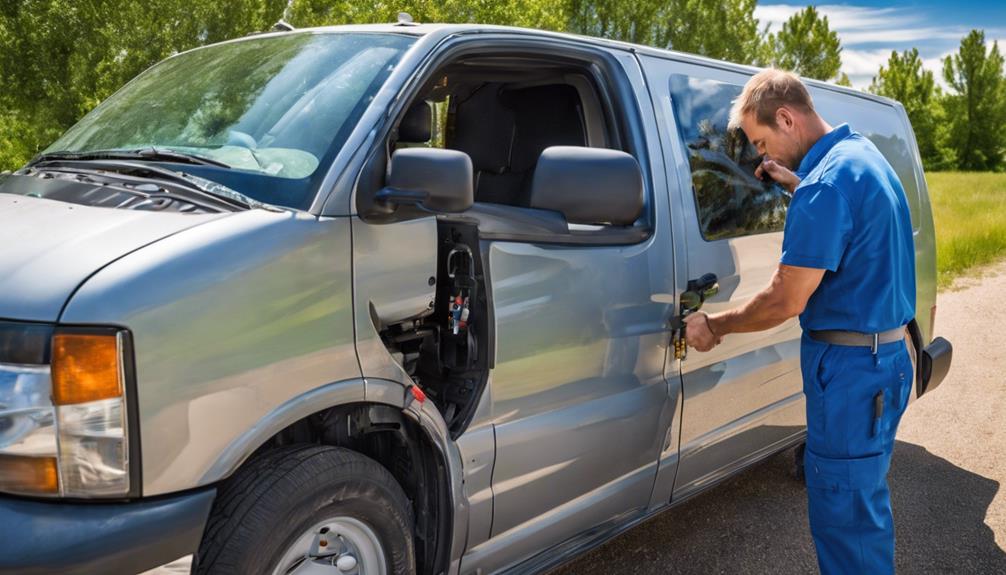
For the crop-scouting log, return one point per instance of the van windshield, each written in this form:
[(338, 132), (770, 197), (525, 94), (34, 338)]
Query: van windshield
[(266, 112)]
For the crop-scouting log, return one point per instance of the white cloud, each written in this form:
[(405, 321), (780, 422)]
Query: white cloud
[(861, 62), (841, 18), (850, 38), (861, 25)]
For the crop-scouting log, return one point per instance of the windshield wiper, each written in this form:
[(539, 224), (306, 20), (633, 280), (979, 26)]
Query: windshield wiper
[(182, 182), (149, 153)]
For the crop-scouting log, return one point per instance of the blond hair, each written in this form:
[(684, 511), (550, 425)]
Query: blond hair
[(765, 93)]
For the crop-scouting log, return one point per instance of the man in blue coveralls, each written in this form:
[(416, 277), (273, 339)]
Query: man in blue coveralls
[(848, 270)]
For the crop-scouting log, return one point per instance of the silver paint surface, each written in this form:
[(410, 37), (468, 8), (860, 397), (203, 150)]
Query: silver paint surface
[(580, 403), (392, 264), (51, 247), (747, 393), (229, 321)]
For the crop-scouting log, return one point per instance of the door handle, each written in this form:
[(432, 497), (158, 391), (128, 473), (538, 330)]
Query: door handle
[(692, 299), (699, 290)]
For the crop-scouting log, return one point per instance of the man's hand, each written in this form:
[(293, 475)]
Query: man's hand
[(779, 173), (698, 333)]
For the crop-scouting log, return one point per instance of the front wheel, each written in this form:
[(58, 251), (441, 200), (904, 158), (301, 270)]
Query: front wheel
[(309, 510)]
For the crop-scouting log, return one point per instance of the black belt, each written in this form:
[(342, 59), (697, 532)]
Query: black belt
[(858, 339)]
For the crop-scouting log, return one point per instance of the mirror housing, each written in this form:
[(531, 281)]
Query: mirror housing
[(588, 185), (431, 178)]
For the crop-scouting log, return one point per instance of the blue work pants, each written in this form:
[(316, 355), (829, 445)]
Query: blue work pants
[(849, 450)]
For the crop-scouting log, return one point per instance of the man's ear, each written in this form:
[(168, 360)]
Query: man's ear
[(784, 118)]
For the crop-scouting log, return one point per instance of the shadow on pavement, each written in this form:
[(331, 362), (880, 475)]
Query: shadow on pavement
[(757, 523)]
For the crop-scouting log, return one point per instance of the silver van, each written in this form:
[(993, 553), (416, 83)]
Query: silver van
[(395, 299)]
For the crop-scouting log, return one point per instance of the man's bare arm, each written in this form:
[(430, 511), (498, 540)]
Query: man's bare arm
[(785, 298)]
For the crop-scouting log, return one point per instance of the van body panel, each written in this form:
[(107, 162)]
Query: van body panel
[(392, 266), (581, 359), (51, 247), (747, 372), (229, 321)]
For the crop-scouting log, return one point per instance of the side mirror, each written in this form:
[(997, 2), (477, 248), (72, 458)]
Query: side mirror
[(588, 185), (434, 179)]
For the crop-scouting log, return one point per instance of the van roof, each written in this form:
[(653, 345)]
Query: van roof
[(414, 29)]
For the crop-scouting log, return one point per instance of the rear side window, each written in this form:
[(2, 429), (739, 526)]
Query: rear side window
[(730, 200), (886, 128)]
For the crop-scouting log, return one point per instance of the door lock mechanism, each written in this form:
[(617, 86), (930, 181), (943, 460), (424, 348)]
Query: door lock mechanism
[(691, 300)]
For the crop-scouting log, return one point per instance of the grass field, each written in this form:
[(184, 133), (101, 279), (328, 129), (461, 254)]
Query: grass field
[(970, 214)]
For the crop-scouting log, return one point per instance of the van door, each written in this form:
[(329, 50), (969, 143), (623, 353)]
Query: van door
[(743, 399), (580, 403)]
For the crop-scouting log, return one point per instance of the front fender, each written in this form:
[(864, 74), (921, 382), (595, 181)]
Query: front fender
[(231, 321)]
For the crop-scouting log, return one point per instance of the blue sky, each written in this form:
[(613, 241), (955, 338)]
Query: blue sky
[(870, 29)]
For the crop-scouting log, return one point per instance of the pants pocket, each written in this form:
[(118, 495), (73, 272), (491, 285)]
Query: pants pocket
[(832, 483), (830, 507)]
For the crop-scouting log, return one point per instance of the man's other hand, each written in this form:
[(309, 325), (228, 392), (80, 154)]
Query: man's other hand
[(779, 173), (698, 334)]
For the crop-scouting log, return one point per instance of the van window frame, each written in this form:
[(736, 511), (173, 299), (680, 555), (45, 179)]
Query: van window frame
[(613, 89), (677, 131)]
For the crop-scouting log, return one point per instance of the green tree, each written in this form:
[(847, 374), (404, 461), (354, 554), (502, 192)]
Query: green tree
[(722, 29), (614, 19), (807, 45), (542, 14), (904, 80), (977, 108), (60, 58)]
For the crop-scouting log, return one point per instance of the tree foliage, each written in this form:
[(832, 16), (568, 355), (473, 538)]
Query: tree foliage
[(977, 109), (807, 45), (541, 14), (905, 80), (60, 58), (721, 29)]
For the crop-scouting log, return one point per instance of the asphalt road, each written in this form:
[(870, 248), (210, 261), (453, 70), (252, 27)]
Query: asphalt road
[(948, 466)]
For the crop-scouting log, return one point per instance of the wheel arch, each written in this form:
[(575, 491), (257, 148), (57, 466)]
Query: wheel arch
[(382, 420)]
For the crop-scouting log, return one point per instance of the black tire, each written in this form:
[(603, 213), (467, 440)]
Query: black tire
[(798, 470), (260, 511)]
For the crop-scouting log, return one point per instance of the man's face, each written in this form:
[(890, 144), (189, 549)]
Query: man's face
[(778, 143)]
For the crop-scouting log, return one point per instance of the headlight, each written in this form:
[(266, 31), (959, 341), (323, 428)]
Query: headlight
[(63, 425)]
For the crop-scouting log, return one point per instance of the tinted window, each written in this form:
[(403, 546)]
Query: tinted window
[(731, 201)]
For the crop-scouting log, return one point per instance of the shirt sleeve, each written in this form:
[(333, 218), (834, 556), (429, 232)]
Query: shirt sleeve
[(818, 228)]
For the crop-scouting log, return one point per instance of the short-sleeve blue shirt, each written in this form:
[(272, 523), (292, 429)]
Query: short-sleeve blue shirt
[(850, 216)]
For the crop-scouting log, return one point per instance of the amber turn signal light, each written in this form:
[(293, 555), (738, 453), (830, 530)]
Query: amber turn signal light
[(85, 367), (22, 474)]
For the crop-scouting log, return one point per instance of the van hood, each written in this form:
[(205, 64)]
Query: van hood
[(48, 248)]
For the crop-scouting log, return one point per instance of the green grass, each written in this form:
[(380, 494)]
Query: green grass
[(970, 213)]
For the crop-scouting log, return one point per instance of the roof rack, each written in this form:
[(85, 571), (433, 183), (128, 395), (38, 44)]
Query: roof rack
[(282, 26)]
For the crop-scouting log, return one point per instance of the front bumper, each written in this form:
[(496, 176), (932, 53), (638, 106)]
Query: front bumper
[(69, 538)]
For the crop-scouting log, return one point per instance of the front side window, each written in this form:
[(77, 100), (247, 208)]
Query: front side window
[(274, 108), (730, 200)]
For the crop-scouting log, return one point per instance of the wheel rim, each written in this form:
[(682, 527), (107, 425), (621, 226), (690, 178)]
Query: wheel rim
[(335, 546)]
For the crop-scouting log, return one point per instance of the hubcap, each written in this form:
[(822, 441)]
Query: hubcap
[(335, 546)]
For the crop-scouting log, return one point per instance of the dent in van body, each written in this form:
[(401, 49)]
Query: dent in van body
[(229, 322)]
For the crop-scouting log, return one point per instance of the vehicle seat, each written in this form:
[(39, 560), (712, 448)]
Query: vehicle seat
[(505, 130)]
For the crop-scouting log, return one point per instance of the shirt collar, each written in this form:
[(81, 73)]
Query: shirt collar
[(821, 147)]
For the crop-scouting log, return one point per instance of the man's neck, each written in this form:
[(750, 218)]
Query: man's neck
[(816, 128)]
